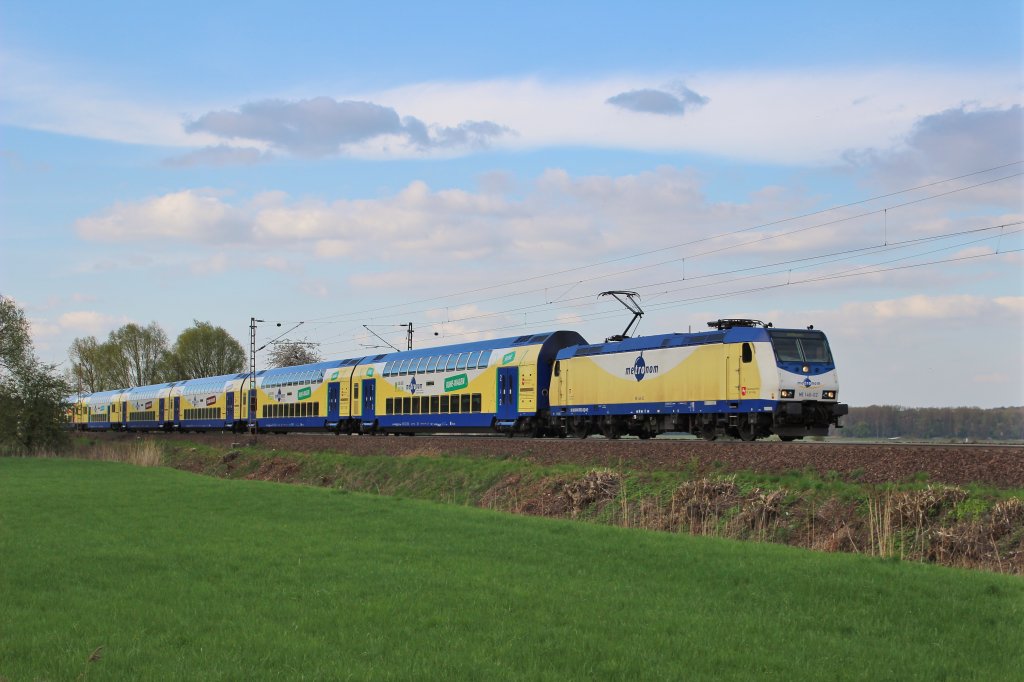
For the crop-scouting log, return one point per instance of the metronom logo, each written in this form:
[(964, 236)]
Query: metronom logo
[(640, 369)]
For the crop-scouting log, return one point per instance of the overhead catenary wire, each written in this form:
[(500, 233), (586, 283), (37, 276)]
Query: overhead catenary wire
[(378, 310), (332, 319), (787, 265), (563, 300)]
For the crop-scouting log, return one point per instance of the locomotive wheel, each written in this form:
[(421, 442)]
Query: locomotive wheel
[(747, 435), (708, 435)]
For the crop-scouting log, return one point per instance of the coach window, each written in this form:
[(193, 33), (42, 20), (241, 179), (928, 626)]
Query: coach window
[(355, 392), (465, 403), (403, 368), (442, 362), (415, 404), (485, 359), (406, 406), (434, 404), (748, 353), (432, 364), (422, 366), (444, 405), (477, 402), (474, 357), (453, 406), (461, 364), (450, 365)]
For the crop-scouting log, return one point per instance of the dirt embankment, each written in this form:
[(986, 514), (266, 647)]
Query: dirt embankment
[(992, 465)]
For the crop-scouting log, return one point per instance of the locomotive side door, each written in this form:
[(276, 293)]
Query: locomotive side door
[(749, 373), (508, 393), (732, 373), (742, 376)]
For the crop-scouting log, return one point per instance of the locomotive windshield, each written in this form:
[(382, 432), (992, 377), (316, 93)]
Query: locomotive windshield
[(800, 346)]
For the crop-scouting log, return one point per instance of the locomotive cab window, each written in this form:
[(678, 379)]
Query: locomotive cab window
[(800, 346), (748, 353)]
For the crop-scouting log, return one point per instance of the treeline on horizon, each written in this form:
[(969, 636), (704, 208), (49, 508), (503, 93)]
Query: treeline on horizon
[(959, 423)]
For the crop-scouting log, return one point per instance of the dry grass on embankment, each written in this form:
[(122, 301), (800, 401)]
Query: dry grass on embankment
[(138, 451)]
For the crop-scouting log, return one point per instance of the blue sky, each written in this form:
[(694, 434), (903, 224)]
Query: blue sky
[(488, 171)]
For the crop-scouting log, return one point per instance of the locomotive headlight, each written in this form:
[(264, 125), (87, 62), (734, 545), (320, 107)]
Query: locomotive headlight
[(828, 395), (787, 393), (805, 369)]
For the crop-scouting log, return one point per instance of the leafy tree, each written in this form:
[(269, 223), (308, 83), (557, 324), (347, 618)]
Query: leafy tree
[(32, 394), (291, 353), (203, 350)]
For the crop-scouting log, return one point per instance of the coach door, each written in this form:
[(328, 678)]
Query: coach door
[(177, 410), (333, 400), (369, 404), (508, 393), (160, 414), (229, 407), (124, 413)]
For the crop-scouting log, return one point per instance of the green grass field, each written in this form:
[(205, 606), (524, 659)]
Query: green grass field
[(178, 576)]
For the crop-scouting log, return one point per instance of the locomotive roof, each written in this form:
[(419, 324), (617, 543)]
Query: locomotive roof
[(642, 343)]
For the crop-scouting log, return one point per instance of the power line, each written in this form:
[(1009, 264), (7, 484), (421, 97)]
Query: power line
[(325, 319), (729, 294)]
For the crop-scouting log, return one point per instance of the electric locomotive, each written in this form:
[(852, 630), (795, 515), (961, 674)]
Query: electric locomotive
[(743, 379)]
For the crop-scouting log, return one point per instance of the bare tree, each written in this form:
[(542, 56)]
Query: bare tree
[(142, 350), (96, 366), (292, 353)]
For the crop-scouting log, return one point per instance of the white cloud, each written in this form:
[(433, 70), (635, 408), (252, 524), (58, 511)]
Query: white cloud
[(88, 322), (774, 116), (196, 215), (796, 117)]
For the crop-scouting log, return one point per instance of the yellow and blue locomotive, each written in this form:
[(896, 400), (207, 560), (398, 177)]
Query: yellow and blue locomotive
[(743, 379)]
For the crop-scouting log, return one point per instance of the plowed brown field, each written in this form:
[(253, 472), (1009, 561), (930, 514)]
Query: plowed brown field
[(1000, 466)]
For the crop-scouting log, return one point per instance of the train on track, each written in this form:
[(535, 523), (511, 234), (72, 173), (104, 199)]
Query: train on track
[(740, 379)]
